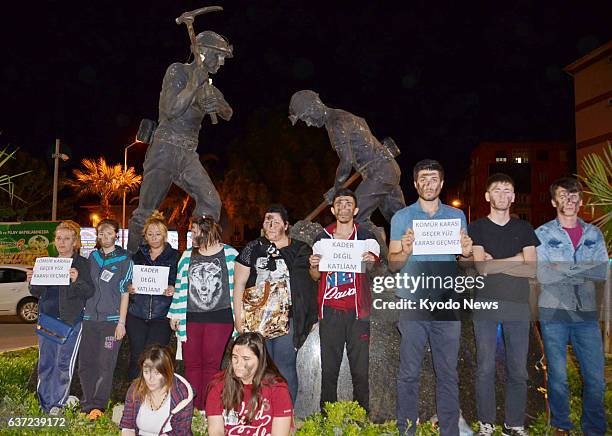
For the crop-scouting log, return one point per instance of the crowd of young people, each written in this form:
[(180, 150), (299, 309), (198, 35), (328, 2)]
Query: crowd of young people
[(213, 292)]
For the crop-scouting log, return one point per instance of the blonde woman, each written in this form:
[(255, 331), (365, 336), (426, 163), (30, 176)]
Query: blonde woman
[(146, 322), (65, 304)]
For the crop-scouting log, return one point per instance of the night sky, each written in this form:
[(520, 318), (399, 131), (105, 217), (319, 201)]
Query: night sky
[(438, 77)]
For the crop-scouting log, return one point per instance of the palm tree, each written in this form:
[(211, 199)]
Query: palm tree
[(178, 206), (597, 178), (6, 181), (105, 181)]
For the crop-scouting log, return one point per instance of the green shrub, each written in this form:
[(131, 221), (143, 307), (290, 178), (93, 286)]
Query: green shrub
[(340, 419)]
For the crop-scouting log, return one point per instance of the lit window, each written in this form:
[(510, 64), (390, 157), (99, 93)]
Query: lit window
[(520, 156)]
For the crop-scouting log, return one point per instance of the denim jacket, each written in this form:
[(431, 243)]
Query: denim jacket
[(566, 274)]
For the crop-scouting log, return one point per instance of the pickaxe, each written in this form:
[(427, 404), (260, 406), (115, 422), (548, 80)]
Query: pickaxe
[(187, 18)]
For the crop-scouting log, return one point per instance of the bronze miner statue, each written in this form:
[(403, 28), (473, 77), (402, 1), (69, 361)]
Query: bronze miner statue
[(357, 148), (187, 95)]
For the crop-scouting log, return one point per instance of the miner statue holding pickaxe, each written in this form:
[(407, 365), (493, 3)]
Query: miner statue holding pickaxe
[(186, 97)]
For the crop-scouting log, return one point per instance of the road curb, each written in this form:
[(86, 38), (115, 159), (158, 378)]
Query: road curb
[(17, 349)]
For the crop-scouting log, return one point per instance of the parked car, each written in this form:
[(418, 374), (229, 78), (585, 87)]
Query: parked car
[(15, 297)]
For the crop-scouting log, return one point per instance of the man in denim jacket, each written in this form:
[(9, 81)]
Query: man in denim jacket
[(572, 254)]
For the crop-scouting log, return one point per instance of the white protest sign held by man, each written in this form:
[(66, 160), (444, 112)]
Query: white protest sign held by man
[(437, 236), (150, 280), (341, 255), (51, 271)]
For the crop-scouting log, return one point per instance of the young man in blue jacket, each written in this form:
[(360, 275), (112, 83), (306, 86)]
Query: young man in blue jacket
[(571, 256)]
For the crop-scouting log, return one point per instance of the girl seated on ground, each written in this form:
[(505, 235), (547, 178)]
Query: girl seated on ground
[(159, 401), (250, 397)]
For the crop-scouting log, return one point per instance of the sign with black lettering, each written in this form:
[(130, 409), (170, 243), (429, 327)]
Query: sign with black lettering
[(51, 271), (150, 280), (341, 255), (437, 236)]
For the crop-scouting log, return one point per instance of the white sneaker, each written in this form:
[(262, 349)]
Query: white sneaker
[(55, 411), (485, 429), (72, 401), (514, 431)]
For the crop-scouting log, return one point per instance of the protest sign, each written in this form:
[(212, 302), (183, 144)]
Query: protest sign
[(437, 236), (52, 271), (341, 255), (150, 280)]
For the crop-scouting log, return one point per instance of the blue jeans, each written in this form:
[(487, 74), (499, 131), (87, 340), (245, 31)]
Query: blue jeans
[(516, 342), (283, 353), (585, 337), (443, 337)]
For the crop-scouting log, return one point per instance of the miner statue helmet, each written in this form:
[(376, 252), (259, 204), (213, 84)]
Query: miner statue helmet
[(306, 105), (213, 40)]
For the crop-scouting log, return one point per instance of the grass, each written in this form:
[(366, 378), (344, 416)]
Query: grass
[(342, 418)]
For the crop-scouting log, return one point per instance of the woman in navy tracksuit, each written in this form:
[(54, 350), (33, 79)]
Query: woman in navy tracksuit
[(146, 320), (56, 361)]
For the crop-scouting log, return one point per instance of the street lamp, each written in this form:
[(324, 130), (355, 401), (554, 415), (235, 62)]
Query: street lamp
[(125, 150), (458, 204), (56, 157), (143, 136), (95, 219)]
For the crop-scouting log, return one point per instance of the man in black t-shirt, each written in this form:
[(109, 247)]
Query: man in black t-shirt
[(504, 251)]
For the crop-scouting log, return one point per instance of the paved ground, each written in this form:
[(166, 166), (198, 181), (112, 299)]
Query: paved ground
[(16, 334)]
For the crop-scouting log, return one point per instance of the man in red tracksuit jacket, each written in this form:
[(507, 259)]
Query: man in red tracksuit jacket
[(344, 305)]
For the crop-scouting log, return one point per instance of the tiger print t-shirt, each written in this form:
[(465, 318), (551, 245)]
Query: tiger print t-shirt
[(209, 292)]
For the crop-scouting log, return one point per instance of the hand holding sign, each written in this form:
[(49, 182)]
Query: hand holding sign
[(74, 274), (314, 261), (466, 244), (51, 271), (407, 241)]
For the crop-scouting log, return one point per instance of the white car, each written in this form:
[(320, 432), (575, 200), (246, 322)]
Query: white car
[(15, 297)]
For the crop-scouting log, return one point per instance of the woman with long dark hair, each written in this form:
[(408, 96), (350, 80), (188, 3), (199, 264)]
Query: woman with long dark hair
[(250, 397), (159, 401), (201, 310)]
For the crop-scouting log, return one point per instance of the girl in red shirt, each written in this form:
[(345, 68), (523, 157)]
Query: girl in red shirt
[(251, 397)]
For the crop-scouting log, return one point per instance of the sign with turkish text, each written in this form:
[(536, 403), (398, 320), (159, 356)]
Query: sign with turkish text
[(52, 271), (150, 280), (437, 236), (341, 255)]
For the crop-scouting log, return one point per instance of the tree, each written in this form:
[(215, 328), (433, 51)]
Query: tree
[(32, 197), (104, 181), (6, 180), (598, 180), (177, 208), (274, 162)]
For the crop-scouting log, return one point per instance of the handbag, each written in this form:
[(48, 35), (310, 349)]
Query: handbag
[(53, 329), (266, 309)]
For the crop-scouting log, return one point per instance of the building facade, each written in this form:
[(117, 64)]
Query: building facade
[(593, 104), (532, 166)]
